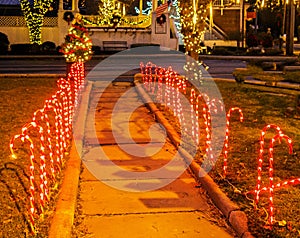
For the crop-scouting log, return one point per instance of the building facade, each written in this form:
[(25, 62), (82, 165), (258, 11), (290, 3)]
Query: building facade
[(134, 26)]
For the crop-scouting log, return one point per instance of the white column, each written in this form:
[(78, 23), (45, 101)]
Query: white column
[(123, 9), (75, 6), (141, 7), (154, 5)]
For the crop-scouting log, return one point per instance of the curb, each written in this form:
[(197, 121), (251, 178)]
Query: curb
[(32, 75), (280, 85), (49, 57), (235, 217), (62, 221)]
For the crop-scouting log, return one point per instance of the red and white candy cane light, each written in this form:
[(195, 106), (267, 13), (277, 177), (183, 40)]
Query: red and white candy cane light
[(57, 131), (271, 187), (226, 142), (260, 157), (271, 171)]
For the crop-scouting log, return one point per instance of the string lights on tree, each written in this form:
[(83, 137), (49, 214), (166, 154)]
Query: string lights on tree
[(193, 14), (78, 45), (175, 14), (34, 12), (145, 11), (109, 14)]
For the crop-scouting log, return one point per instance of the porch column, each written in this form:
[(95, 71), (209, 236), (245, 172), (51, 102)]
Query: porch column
[(141, 7), (154, 5), (75, 6), (123, 9)]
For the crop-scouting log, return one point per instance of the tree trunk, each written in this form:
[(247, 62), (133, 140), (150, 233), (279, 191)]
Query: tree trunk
[(35, 30), (194, 55)]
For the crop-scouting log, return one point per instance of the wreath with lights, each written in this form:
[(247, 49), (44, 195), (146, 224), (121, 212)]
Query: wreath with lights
[(161, 19), (68, 17)]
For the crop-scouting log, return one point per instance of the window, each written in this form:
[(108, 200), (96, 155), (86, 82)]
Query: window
[(82, 7), (67, 4)]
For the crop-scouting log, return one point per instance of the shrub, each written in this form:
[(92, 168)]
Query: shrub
[(4, 43), (20, 49), (48, 47), (96, 50), (219, 50), (25, 49), (252, 40), (272, 51), (266, 39)]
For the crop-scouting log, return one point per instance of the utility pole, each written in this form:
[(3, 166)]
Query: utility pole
[(290, 26)]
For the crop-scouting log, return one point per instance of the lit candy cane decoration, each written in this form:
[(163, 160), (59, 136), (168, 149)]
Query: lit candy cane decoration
[(77, 73), (160, 72), (271, 170), (260, 158), (178, 104), (153, 78), (44, 193), (206, 113), (54, 105), (195, 115), (167, 89), (142, 67), (282, 184), (63, 103), (66, 103), (31, 174), (226, 143), (44, 118), (59, 130), (194, 118), (172, 96), (148, 75)]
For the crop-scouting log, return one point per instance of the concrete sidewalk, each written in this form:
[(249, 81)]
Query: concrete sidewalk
[(178, 209)]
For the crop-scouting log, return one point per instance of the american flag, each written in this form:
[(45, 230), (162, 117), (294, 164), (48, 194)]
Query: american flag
[(161, 8)]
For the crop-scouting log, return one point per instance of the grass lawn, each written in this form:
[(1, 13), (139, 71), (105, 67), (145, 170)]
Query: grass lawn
[(20, 98), (262, 106)]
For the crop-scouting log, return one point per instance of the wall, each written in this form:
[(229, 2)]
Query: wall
[(131, 36), (229, 21), (157, 34), (18, 35)]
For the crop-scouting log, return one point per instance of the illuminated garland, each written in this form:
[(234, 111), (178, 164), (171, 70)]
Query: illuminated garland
[(97, 21), (193, 15), (78, 45), (138, 22), (34, 16)]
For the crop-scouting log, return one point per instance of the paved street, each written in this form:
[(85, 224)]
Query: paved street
[(217, 68)]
